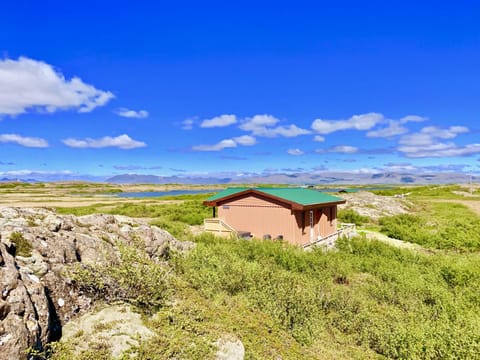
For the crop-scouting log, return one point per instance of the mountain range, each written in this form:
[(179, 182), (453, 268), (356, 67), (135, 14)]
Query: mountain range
[(302, 178)]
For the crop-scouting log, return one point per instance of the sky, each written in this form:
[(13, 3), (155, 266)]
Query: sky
[(100, 88)]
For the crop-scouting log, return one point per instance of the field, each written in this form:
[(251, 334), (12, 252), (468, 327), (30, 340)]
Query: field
[(367, 299)]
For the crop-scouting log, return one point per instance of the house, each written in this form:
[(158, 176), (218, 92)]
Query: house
[(301, 216)]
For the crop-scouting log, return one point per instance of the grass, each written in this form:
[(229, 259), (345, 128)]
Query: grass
[(23, 247), (364, 300), (352, 217), (395, 303), (436, 225), (429, 192)]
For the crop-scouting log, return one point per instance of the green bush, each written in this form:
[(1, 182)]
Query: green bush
[(23, 247), (352, 217), (135, 279), (440, 226), (395, 302)]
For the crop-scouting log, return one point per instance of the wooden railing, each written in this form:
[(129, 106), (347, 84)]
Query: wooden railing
[(345, 229), (219, 227)]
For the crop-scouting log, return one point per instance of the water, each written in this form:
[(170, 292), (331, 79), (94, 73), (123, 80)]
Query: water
[(359, 189), (146, 194)]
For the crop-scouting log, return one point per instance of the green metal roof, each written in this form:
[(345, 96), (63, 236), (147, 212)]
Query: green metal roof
[(302, 196)]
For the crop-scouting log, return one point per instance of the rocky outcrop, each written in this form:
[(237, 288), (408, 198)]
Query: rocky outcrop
[(36, 298), (114, 328), (375, 206), (229, 348)]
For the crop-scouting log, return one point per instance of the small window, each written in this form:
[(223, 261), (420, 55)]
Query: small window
[(226, 207)]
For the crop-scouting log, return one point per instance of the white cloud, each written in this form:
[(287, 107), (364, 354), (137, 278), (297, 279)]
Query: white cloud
[(295, 152), (26, 172), (219, 121), (426, 143), (412, 118), (122, 142), (245, 140), (124, 112), (319, 138), (393, 129), (27, 83), (227, 143), (259, 121), (345, 149), (263, 125), (356, 122), (429, 134), (23, 141), (439, 150), (289, 131), (187, 124)]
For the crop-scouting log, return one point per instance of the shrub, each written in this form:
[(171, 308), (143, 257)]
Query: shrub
[(351, 216), (135, 279), (22, 246)]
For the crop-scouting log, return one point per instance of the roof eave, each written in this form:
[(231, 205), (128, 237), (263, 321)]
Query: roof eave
[(293, 205), (316, 206)]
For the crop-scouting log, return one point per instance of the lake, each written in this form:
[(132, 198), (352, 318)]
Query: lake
[(145, 194)]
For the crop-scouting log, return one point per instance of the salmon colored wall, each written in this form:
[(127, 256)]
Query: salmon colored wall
[(261, 216)]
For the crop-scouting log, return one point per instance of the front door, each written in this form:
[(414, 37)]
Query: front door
[(312, 225)]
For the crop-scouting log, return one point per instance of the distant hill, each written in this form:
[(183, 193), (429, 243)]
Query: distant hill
[(302, 178), (153, 179)]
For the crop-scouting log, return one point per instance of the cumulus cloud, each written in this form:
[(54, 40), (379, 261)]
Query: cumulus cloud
[(319, 138), (264, 125), (33, 142), (245, 140), (122, 142), (439, 150), (295, 152), (27, 172), (134, 114), (429, 134), (413, 118), (26, 83), (219, 121), (343, 149), (393, 129), (227, 143), (428, 143), (356, 122)]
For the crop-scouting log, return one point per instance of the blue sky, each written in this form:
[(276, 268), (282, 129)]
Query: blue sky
[(222, 87)]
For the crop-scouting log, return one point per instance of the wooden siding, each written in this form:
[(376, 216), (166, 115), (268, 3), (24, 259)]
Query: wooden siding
[(261, 216)]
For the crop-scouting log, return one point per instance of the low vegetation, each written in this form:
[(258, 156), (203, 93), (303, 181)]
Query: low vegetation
[(352, 217), (431, 191), (22, 246), (365, 300), (437, 225), (135, 279)]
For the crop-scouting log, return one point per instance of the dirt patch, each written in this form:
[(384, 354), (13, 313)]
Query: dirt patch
[(375, 206)]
